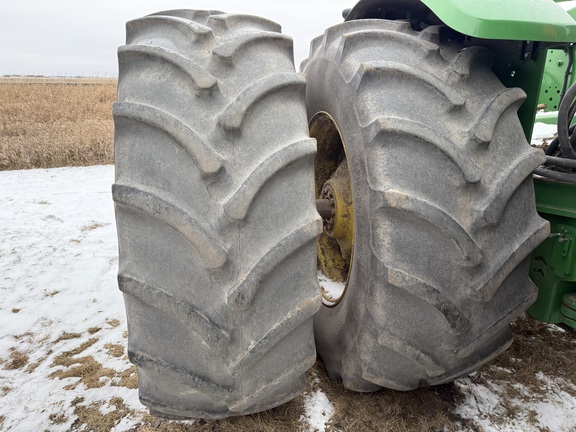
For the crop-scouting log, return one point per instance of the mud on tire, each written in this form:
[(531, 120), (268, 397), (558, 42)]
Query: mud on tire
[(215, 213), (443, 204)]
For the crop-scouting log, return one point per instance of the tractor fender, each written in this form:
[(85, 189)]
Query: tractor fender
[(525, 20)]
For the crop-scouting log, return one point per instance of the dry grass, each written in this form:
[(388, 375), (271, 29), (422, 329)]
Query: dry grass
[(281, 419), (538, 348), (17, 360), (54, 123), (114, 350), (67, 336), (128, 378), (91, 226), (540, 355), (113, 323), (388, 410), (421, 411), (90, 372), (90, 417), (94, 330)]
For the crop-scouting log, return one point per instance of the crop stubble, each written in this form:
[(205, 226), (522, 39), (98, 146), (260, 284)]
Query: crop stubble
[(55, 122)]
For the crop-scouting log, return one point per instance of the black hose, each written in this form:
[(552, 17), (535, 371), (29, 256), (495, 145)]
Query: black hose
[(556, 175), (570, 51), (565, 114), (572, 110), (561, 162), (571, 129), (553, 146)]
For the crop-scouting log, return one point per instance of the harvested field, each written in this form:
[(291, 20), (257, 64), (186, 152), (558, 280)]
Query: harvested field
[(55, 122)]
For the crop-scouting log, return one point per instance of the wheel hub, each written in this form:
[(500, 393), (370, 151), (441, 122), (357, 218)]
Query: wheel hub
[(334, 203), (340, 224)]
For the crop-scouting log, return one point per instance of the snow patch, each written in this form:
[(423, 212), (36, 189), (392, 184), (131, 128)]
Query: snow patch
[(58, 291), (543, 132), (318, 411), (489, 406), (332, 290)]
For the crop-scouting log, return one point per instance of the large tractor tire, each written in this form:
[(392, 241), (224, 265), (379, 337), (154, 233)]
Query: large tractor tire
[(442, 199), (215, 211)]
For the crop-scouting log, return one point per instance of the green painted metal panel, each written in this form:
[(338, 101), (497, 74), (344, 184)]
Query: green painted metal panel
[(548, 117), (514, 72), (556, 198), (529, 20), (556, 63), (553, 263), (568, 310)]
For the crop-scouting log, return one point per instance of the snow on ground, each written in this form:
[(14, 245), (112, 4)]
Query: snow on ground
[(489, 405), (62, 323), (317, 410), (63, 328), (543, 132)]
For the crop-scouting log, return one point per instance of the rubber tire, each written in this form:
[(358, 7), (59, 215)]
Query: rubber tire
[(444, 206), (215, 211)]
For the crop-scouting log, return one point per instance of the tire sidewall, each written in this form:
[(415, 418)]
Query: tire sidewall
[(336, 327)]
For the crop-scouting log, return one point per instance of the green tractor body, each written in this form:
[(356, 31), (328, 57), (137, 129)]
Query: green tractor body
[(553, 265), (558, 75), (519, 20)]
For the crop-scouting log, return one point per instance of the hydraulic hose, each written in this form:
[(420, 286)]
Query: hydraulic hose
[(561, 162), (570, 52), (553, 146), (566, 137), (556, 175), (565, 114)]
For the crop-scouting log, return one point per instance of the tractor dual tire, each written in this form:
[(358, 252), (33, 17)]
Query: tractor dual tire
[(443, 204), (214, 198)]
